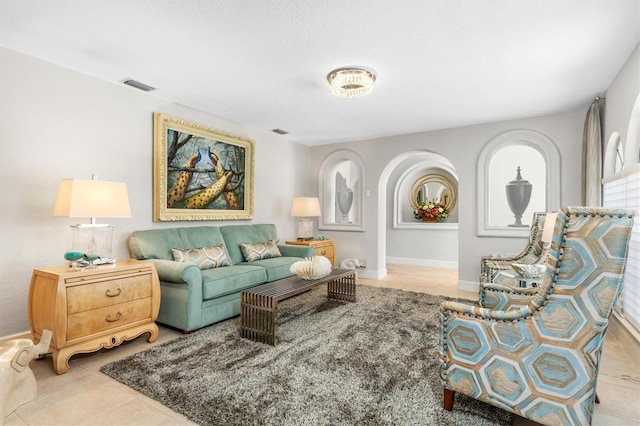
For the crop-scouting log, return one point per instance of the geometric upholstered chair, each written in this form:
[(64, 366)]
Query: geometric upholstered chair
[(491, 265), (537, 351)]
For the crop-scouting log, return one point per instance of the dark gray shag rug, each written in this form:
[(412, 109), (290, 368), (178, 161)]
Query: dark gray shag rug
[(374, 362)]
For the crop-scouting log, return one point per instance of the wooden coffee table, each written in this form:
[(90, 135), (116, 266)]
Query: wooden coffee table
[(259, 305)]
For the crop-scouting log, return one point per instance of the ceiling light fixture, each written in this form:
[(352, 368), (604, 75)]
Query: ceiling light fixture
[(351, 82)]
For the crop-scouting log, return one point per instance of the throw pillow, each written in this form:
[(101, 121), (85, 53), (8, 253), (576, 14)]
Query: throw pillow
[(257, 251), (205, 257)]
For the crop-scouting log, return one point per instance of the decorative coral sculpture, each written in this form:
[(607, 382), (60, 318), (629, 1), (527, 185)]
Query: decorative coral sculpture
[(312, 268)]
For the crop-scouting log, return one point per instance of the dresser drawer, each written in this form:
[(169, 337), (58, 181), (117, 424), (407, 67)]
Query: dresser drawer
[(85, 323), (106, 293), (326, 251)]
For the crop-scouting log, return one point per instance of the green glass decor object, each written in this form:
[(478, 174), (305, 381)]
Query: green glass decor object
[(72, 256)]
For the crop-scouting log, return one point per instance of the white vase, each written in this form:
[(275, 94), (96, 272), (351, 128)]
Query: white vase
[(344, 197)]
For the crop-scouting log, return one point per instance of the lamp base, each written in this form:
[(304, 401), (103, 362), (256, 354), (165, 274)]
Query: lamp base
[(305, 229), (93, 239)]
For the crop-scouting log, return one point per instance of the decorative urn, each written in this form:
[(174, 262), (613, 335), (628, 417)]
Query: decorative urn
[(518, 196)]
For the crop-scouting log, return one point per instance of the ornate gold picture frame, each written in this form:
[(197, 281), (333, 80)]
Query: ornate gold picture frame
[(200, 173)]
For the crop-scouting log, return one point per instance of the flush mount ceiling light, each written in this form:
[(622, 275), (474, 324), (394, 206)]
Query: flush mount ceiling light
[(351, 82)]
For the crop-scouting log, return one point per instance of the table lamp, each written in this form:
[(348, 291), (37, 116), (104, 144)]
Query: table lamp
[(304, 208), (91, 199)]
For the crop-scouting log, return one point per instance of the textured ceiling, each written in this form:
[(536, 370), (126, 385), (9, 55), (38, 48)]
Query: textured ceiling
[(439, 63)]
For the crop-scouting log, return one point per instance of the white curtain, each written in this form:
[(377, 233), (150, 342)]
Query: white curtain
[(592, 158)]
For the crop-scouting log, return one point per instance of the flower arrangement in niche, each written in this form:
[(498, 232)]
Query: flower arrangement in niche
[(431, 211)]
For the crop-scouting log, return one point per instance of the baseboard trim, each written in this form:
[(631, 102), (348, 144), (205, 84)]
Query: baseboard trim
[(423, 262), (22, 335), (369, 274), (473, 286)]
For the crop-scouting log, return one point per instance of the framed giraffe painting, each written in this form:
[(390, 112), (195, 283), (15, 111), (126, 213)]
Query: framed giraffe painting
[(200, 173)]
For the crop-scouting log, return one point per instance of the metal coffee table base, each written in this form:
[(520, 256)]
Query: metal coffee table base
[(259, 305)]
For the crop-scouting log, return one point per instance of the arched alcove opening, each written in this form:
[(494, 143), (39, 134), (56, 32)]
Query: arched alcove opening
[(402, 239), (341, 188), (614, 155), (424, 170), (500, 213)]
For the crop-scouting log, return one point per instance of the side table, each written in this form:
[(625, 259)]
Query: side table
[(324, 248), (90, 309)]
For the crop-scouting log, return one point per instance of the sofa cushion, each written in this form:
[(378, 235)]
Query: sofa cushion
[(157, 243), (205, 257), (278, 267), (257, 251), (234, 235), (219, 282)]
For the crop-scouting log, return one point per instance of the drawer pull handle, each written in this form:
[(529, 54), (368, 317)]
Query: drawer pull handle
[(116, 294), (117, 318), (323, 252)]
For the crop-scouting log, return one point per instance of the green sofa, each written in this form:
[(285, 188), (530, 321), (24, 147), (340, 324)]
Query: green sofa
[(192, 298)]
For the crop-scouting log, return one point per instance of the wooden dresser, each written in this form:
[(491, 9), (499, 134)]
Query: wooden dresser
[(90, 309), (324, 248)]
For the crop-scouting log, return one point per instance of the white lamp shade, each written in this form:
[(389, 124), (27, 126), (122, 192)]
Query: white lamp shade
[(549, 226), (92, 198), (305, 207)]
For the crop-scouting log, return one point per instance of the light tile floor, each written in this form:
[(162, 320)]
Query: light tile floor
[(84, 396)]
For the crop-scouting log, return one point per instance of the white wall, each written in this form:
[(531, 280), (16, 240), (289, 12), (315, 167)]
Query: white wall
[(56, 123), (620, 99), (461, 146)]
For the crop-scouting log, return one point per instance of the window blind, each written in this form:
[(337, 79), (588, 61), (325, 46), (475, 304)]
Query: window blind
[(622, 190)]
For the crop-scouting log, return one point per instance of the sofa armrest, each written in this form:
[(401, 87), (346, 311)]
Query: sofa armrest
[(296, 251), (177, 272)]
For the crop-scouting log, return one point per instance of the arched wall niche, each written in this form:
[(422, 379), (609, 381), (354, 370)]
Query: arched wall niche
[(341, 188), (622, 156), (424, 164), (521, 147), (614, 155)]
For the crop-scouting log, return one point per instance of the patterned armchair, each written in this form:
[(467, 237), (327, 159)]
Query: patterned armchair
[(536, 352), (491, 265)]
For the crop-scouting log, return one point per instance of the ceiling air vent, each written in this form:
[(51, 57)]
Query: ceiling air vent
[(280, 131), (138, 85)]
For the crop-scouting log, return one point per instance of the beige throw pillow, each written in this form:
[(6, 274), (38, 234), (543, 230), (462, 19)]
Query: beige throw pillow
[(257, 251), (205, 257)]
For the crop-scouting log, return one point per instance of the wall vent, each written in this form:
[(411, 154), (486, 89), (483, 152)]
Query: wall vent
[(280, 131), (138, 85)]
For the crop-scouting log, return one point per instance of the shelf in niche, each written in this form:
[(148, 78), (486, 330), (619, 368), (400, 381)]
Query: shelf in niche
[(439, 226)]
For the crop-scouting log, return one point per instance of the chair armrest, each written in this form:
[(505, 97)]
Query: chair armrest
[(497, 296), (290, 250), (490, 265), (177, 272), (528, 291), (454, 308)]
